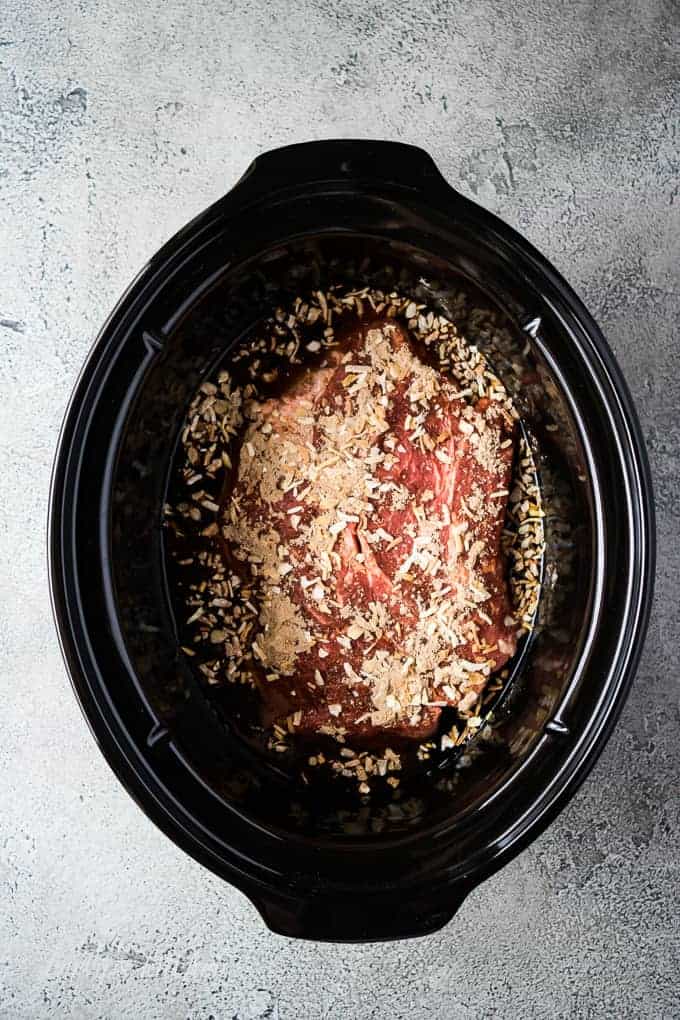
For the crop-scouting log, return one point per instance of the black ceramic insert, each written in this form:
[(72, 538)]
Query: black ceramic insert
[(353, 212)]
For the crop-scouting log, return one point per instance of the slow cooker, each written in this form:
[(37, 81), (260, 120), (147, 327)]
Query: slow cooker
[(303, 217)]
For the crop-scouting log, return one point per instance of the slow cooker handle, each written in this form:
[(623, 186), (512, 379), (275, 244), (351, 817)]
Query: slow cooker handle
[(365, 920), (350, 161)]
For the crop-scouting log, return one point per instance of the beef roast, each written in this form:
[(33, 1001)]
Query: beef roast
[(368, 503)]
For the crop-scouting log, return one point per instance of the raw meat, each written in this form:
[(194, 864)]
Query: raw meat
[(369, 503)]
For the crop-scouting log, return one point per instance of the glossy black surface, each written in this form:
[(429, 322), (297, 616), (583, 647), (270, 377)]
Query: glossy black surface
[(311, 215)]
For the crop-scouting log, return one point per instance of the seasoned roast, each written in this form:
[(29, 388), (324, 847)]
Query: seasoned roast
[(369, 499)]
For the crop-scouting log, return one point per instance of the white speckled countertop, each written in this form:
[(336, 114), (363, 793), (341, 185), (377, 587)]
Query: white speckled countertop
[(119, 121)]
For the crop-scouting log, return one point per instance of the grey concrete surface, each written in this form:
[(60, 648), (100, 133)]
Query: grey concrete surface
[(118, 122)]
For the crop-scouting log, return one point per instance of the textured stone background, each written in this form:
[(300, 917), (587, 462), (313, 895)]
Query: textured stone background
[(118, 122)]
